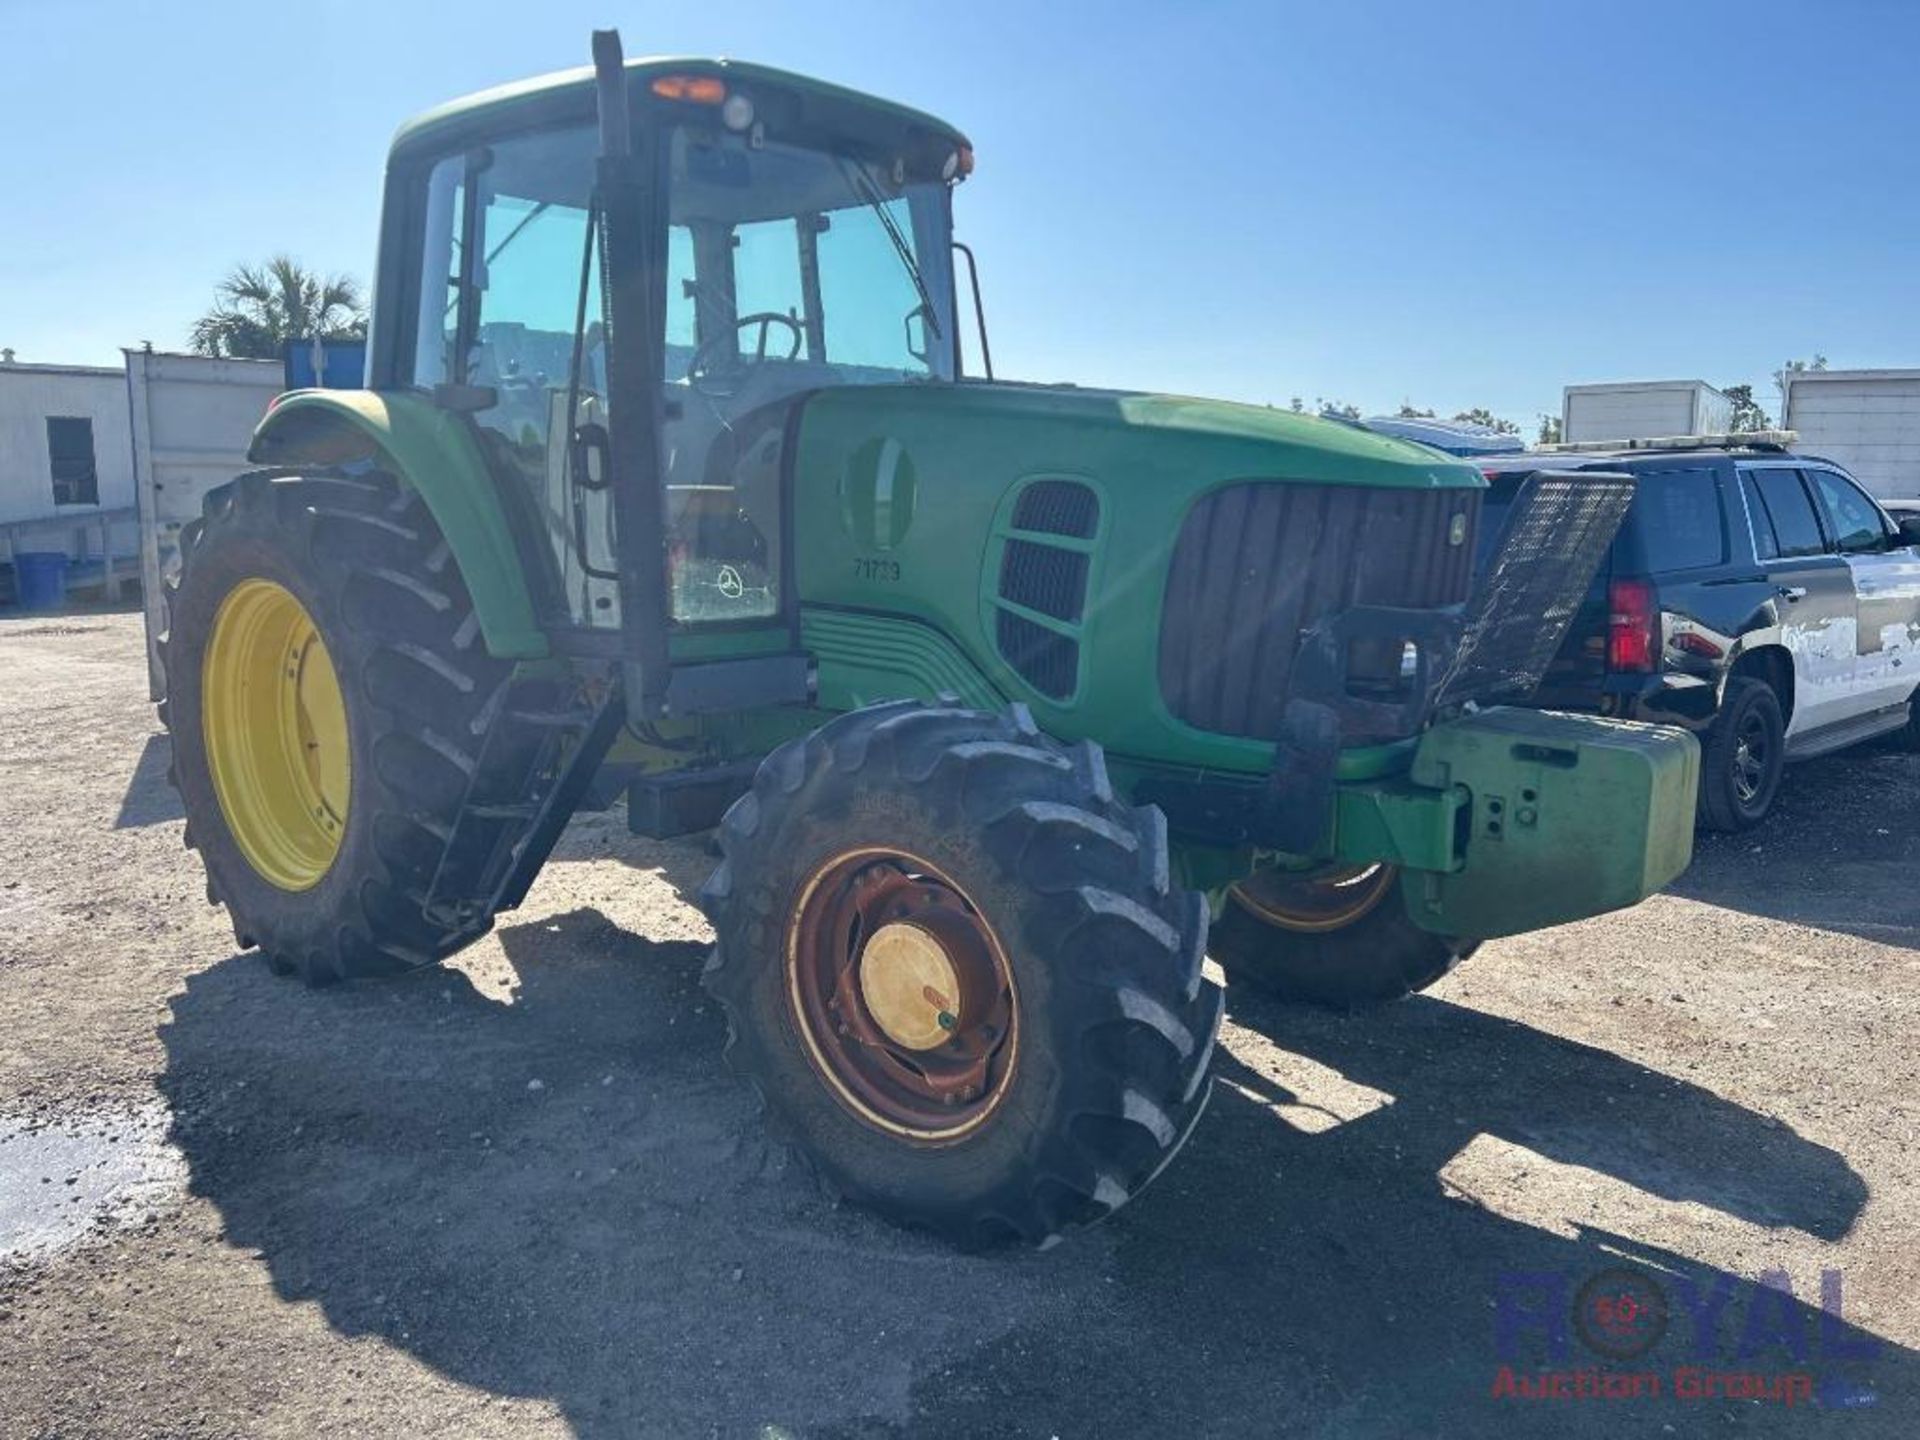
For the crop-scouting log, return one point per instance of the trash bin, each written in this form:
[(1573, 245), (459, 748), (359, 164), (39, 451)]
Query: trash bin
[(40, 579)]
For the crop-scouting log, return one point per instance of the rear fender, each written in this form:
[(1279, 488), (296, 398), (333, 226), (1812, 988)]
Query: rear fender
[(430, 450)]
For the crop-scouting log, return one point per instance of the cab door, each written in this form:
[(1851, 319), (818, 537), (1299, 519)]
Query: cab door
[(1813, 598), (1886, 585)]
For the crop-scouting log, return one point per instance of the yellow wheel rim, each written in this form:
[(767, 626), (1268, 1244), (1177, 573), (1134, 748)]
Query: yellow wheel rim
[(1317, 904), (276, 734)]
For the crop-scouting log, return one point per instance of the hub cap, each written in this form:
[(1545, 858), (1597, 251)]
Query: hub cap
[(275, 729), (1750, 760), (1315, 903), (902, 995)]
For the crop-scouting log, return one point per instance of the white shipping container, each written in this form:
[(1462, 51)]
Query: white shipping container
[(193, 418), (1867, 420), (1642, 410), (87, 406)]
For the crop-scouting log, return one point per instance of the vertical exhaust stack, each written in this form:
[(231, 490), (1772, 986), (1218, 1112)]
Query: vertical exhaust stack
[(610, 80), (633, 283)]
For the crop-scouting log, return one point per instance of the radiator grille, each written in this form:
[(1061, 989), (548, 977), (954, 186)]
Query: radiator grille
[(1257, 563)]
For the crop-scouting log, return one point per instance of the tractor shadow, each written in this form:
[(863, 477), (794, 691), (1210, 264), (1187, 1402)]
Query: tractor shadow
[(561, 1193), (149, 799)]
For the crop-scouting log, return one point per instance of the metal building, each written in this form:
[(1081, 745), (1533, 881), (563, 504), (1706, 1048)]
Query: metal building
[(66, 461), (1868, 420)]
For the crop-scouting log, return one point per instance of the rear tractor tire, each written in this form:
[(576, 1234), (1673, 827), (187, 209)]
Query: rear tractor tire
[(327, 691), (1340, 939), (954, 966)]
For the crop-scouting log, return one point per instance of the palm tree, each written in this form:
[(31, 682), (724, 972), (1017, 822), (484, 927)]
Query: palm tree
[(258, 308)]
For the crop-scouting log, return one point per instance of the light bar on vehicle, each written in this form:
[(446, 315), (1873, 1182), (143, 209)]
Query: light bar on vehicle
[(1732, 440)]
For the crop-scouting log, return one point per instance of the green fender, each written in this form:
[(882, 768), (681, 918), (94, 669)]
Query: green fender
[(430, 450)]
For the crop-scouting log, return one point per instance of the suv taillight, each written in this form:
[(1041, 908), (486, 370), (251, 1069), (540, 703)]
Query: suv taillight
[(1633, 626)]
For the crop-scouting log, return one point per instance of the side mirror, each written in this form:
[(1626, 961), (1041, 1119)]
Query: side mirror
[(1909, 529), (919, 333), (592, 456)]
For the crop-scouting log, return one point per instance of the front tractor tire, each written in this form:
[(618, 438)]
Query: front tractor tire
[(954, 967), (326, 693), (1341, 939)]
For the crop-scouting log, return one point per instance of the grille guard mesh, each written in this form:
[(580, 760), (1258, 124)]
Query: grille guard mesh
[(1556, 535)]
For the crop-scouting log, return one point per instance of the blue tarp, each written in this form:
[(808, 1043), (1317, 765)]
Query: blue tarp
[(342, 364)]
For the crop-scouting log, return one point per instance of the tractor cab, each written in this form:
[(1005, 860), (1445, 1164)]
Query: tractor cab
[(707, 241)]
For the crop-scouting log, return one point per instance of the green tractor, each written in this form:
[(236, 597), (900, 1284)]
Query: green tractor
[(667, 483)]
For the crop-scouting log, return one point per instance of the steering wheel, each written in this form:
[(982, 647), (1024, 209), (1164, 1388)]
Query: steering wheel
[(699, 364)]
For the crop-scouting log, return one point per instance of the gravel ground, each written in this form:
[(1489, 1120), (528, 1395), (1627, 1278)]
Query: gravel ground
[(520, 1196)]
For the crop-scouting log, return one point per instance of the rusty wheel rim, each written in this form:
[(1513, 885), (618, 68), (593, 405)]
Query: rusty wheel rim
[(902, 995), (1315, 904)]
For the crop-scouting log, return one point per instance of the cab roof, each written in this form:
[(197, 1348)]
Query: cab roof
[(569, 95)]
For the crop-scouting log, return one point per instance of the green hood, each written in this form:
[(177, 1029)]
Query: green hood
[(1218, 438)]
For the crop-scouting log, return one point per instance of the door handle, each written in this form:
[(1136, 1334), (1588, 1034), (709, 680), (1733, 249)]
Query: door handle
[(1793, 592)]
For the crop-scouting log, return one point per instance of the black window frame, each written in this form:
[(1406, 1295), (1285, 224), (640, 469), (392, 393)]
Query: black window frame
[(1759, 518), (86, 482)]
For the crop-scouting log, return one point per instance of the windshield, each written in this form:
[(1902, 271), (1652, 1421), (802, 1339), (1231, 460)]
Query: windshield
[(823, 266)]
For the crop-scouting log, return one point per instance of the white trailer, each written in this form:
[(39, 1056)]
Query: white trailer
[(66, 467), (1867, 420), (1643, 410), (193, 418)]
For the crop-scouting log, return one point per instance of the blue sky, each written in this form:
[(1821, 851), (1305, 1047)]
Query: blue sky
[(1454, 204)]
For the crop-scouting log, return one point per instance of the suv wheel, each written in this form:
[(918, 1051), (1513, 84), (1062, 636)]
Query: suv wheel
[(1744, 755), (1908, 737)]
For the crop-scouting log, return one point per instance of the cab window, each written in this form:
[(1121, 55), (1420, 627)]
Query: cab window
[(872, 314), (1676, 519), (766, 278), (1789, 511), (1853, 518), (505, 237)]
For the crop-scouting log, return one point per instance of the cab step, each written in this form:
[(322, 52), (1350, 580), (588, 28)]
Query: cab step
[(537, 760)]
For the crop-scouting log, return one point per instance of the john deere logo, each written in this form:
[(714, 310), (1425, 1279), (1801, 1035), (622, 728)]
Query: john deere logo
[(876, 494), (1457, 531)]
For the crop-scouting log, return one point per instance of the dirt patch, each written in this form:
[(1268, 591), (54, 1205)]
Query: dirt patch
[(69, 1177)]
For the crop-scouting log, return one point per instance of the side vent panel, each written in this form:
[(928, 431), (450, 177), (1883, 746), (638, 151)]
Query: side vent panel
[(1058, 507), (1046, 545), (1046, 660), (1042, 578)]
